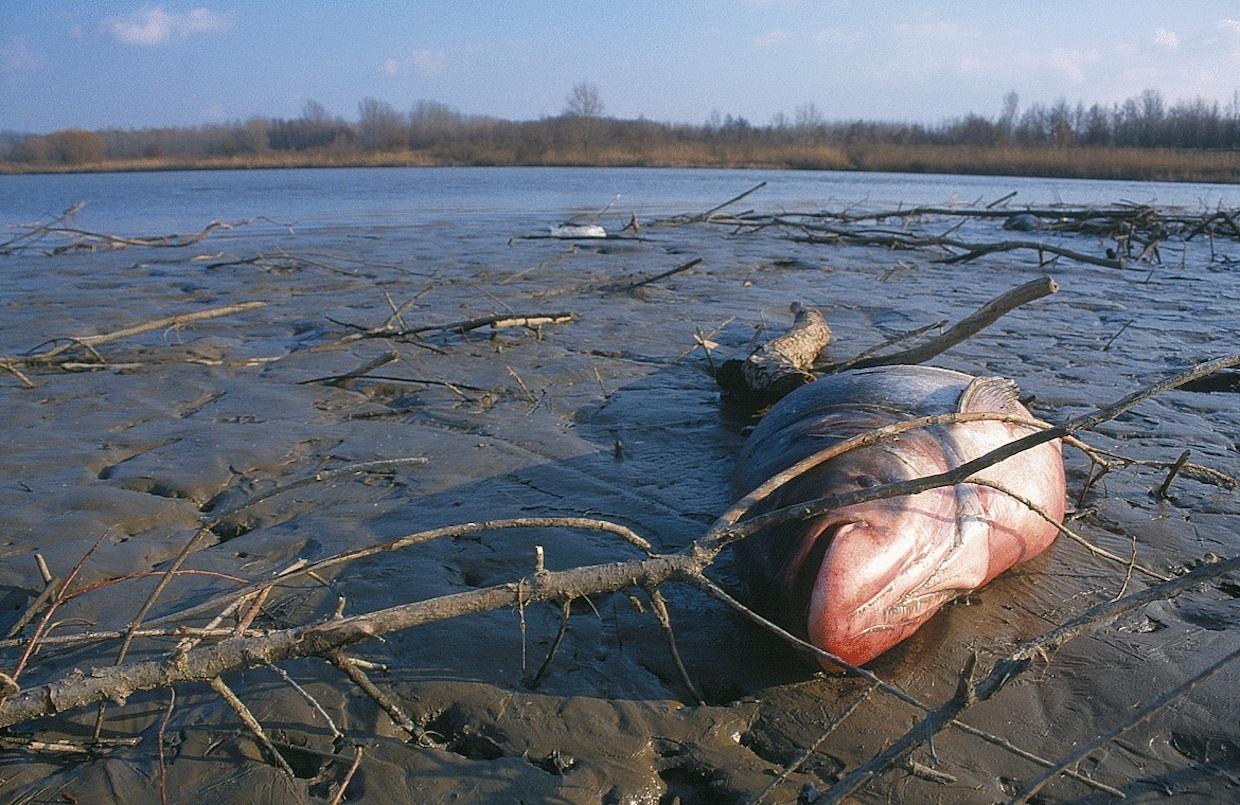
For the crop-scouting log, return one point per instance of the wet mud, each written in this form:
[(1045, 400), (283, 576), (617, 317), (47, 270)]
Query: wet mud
[(613, 415)]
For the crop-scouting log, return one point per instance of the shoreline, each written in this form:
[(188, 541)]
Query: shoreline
[(1122, 164)]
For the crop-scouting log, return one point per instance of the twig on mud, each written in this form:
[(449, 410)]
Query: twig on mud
[(89, 342), (382, 465), (1143, 714), (159, 737), (497, 321), (689, 218), (343, 380), (659, 605), (565, 612), (628, 286), (983, 317), (38, 602), (1171, 473), (353, 670), (305, 694), (809, 751), (86, 240), (1130, 564), (348, 776), (252, 724)]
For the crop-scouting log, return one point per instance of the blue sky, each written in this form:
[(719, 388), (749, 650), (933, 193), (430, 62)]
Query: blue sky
[(114, 63)]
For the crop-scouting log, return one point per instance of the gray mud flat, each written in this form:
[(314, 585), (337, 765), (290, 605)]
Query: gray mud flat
[(614, 415)]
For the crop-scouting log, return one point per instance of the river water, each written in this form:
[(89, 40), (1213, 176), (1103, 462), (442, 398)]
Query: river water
[(613, 415), (181, 200)]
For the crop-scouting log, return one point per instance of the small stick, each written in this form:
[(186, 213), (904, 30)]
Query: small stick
[(1000, 201), (1171, 473), (7, 365), (659, 605), (1067, 532), (381, 465), (734, 199), (895, 339), (37, 603), (351, 668), (138, 329), (808, 753), (496, 322), (251, 722), (647, 280), (983, 317), (354, 374), (348, 776), (305, 694), (1137, 718), (1118, 333), (537, 679), (163, 766)]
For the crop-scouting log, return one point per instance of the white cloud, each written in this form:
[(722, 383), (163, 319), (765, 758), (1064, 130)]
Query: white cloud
[(1229, 25), (1072, 63), (424, 62), (770, 39), (430, 62), (15, 56), (153, 26), (1166, 39)]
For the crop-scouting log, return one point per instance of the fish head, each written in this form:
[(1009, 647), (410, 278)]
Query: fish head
[(864, 577)]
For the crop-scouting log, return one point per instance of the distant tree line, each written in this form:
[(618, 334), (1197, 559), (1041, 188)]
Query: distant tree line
[(447, 135)]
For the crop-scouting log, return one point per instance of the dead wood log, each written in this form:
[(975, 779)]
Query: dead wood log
[(780, 365)]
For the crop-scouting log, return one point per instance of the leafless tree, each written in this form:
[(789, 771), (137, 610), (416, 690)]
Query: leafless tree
[(583, 101)]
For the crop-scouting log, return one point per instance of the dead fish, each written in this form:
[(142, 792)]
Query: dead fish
[(861, 579)]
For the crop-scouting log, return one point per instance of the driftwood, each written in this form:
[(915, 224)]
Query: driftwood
[(780, 365), (57, 355), (29, 235), (980, 319)]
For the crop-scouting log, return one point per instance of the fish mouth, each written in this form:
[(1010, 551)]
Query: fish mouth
[(873, 589)]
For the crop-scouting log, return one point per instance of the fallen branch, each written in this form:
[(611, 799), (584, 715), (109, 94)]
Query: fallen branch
[(618, 287), (779, 366), (980, 319), (498, 321), (49, 356)]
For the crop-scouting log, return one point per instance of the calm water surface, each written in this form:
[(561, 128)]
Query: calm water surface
[(179, 200)]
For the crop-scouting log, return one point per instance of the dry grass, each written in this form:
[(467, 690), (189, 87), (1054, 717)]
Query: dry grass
[(1096, 163)]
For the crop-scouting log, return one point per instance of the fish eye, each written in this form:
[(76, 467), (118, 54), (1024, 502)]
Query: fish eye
[(865, 481)]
